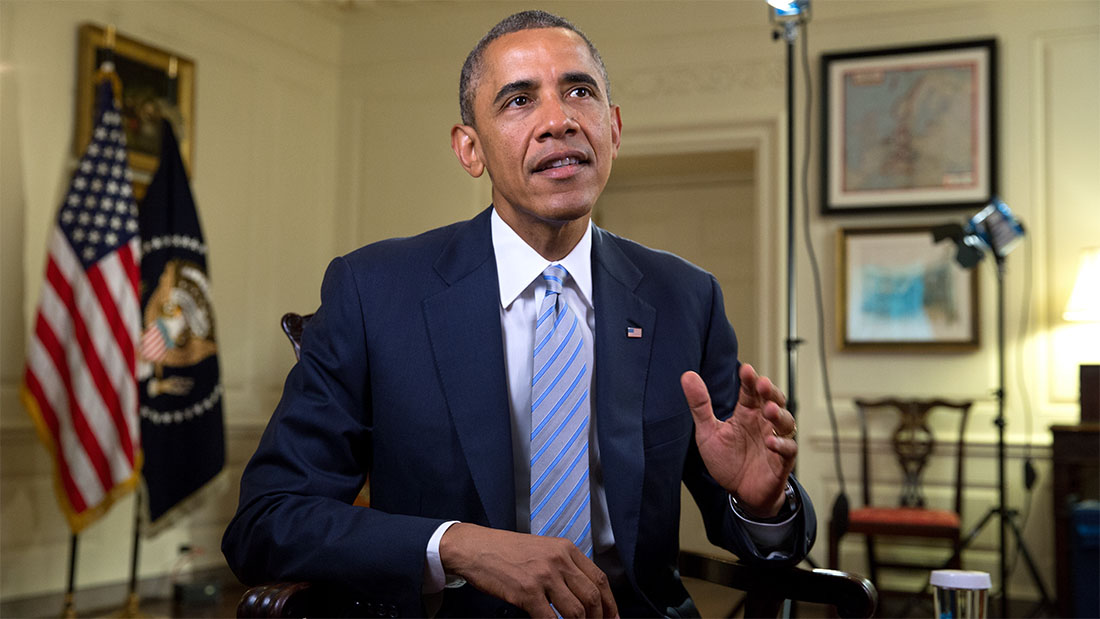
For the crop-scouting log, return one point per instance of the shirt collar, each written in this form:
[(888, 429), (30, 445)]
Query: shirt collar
[(518, 264)]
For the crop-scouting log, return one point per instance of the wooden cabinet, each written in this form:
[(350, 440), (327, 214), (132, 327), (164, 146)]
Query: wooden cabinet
[(1076, 477)]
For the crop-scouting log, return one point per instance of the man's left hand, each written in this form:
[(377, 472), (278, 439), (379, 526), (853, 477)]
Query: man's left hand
[(751, 453)]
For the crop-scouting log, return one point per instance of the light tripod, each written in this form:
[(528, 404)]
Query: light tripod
[(995, 229)]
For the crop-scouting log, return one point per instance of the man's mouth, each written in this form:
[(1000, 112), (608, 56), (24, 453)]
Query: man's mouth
[(554, 163), (563, 162)]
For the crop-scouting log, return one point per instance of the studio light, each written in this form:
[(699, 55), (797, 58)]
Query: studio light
[(995, 230), (789, 8)]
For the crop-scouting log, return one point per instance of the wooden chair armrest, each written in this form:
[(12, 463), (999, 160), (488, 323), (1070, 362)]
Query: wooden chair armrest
[(303, 599), (269, 600), (766, 588)]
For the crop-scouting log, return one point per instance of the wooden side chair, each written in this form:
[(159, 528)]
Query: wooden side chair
[(913, 443), (765, 588)]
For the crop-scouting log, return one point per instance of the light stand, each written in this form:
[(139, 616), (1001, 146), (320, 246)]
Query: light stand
[(790, 15), (996, 230)]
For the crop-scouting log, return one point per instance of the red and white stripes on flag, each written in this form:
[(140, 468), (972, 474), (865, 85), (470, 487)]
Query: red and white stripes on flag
[(153, 345), (79, 384)]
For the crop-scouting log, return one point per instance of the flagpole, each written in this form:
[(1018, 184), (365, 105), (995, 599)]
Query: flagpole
[(133, 600), (69, 611)]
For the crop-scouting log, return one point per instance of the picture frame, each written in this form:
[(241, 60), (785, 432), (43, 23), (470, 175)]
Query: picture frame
[(899, 290), (909, 128), (149, 92)]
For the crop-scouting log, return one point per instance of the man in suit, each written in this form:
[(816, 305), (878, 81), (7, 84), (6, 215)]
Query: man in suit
[(422, 368)]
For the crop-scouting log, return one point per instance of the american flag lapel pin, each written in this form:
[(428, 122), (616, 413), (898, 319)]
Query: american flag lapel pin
[(634, 332)]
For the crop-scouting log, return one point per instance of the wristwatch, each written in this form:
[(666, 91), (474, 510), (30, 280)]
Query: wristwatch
[(790, 506)]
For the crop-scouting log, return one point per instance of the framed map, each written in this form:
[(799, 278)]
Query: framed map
[(910, 128), (902, 291)]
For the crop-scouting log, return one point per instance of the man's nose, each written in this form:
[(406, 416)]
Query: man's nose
[(557, 120)]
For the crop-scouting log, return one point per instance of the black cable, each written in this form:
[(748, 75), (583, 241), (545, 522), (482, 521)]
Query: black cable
[(818, 301), (1025, 319), (1029, 469)]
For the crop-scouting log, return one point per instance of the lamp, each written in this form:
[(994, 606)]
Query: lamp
[(1084, 306), (1084, 301)]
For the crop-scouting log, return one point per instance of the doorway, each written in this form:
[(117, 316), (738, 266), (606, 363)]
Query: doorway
[(703, 208)]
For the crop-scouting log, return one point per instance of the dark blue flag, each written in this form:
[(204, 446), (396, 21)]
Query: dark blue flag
[(182, 429)]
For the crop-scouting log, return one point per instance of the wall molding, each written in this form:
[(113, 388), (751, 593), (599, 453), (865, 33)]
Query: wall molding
[(708, 78), (975, 448), (761, 137)]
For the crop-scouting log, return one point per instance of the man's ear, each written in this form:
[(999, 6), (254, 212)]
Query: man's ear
[(464, 142), (616, 130)]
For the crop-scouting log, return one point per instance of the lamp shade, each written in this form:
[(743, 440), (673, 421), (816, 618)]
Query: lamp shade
[(1084, 301)]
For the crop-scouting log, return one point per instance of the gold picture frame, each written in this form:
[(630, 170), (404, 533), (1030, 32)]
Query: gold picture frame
[(156, 83), (900, 291)]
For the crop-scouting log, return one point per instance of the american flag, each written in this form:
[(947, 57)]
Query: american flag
[(153, 344), (79, 384), (634, 332)]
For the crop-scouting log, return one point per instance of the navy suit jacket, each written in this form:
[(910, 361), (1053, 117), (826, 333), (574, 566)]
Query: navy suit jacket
[(402, 377)]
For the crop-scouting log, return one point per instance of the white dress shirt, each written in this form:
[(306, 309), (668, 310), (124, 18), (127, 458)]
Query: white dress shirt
[(519, 270)]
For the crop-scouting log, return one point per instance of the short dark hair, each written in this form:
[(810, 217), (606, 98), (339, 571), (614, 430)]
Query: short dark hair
[(524, 20)]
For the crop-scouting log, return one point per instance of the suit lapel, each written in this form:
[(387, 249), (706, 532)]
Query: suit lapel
[(464, 328), (622, 365)]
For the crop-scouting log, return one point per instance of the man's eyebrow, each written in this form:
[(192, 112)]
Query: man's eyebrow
[(511, 88), (580, 77)]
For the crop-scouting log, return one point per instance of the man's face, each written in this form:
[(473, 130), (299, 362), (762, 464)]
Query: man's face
[(546, 131)]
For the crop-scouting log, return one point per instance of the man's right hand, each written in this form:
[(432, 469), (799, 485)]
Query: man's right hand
[(529, 571)]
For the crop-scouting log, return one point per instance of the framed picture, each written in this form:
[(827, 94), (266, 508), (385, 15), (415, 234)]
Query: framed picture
[(910, 128), (900, 290), (155, 83)]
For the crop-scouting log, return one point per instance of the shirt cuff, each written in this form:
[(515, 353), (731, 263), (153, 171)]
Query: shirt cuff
[(767, 536), (434, 578)]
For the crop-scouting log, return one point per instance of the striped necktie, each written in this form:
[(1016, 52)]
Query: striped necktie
[(559, 421)]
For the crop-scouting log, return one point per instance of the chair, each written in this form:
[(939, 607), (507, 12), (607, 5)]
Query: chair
[(913, 444), (765, 588)]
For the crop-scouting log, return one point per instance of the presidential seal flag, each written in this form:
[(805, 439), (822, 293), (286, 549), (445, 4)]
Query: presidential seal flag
[(181, 395), (79, 383)]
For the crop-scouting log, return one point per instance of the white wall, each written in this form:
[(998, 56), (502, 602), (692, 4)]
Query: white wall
[(320, 128)]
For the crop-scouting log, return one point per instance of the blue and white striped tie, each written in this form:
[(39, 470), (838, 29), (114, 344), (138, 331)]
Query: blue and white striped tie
[(559, 421)]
